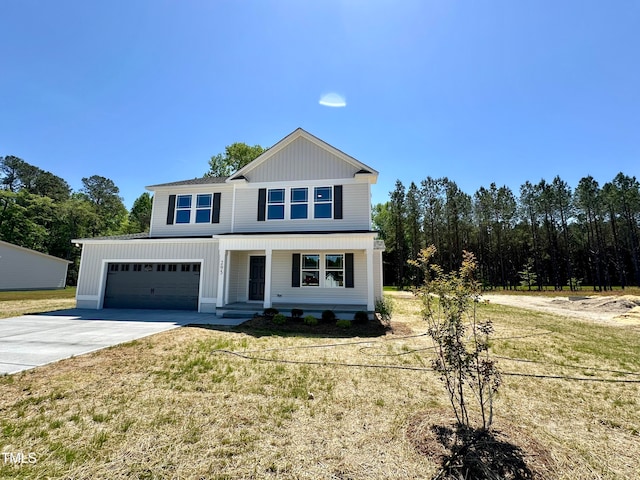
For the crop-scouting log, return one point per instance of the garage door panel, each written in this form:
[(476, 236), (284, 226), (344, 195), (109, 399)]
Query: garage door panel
[(153, 286)]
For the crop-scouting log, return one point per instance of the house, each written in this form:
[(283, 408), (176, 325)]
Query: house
[(25, 269), (292, 227)]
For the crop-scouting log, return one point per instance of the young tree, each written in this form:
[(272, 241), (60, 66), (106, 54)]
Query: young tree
[(235, 156), (461, 340), (140, 214)]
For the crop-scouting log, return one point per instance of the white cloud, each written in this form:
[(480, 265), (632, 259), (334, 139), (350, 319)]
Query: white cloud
[(333, 99)]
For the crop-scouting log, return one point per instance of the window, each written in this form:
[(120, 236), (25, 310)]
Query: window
[(334, 270), (161, 267), (203, 208), (186, 267), (322, 202), (275, 204), (172, 267), (299, 203), (310, 271), (183, 209), (137, 267)]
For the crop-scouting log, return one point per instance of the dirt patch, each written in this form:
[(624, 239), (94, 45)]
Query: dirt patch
[(506, 452), (616, 310)]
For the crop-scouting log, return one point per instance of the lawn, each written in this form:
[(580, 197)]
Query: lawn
[(203, 403), (36, 301)]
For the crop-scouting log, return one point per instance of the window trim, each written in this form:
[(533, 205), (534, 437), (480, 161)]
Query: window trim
[(323, 202), (194, 208)]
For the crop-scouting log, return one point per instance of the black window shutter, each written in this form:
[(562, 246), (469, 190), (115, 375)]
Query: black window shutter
[(215, 215), (348, 270), (295, 270), (171, 210), (262, 204), (337, 202)]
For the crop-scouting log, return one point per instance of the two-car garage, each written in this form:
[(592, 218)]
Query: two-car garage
[(167, 286)]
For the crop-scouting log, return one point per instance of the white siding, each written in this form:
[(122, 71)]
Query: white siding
[(301, 160), (377, 275), (239, 277), (355, 209), (24, 269), (282, 291), (159, 225), (95, 256)]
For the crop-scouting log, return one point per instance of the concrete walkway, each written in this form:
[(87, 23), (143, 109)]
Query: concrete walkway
[(33, 340)]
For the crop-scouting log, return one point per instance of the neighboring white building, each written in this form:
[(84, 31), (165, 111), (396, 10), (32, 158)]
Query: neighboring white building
[(25, 269), (293, 226)]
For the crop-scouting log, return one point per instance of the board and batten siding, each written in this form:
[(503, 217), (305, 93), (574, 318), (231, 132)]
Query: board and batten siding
[(25, 269), (355, 212), (159, 227), (282, 291), (301, 160), (95, 256)]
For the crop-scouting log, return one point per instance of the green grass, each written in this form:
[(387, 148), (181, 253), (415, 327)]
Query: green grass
[(68, 292)]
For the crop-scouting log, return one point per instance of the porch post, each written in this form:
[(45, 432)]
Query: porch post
[(370, 299), (267, 278), (222, 256), (227, 276)]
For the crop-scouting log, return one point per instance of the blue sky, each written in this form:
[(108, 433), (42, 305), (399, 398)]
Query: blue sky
[(145, 92)]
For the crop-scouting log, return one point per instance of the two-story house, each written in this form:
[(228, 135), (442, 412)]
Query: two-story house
[(291, 227)]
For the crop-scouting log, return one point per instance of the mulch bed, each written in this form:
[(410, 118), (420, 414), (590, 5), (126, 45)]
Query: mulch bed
[(296, 326)]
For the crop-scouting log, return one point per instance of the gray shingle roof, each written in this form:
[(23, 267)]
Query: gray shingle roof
[(193, 181)]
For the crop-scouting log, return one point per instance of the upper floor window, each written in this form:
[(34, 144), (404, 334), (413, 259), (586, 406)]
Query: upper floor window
[(275, 204), (200, 208), (183, 209), (299, 203), (322, 202), (203, 208)]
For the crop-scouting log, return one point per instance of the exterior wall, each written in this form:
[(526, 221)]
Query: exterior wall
[(24, 269), (355, 206), (301, 160), (159, 227), (282, 291), (95, 256)]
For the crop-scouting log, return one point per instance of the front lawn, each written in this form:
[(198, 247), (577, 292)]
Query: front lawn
[(24, 302), (204, 403)]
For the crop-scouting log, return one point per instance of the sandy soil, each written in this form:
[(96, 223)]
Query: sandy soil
[(622, 310), (616, 310)]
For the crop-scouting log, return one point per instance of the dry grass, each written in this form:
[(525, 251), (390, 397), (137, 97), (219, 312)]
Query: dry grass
[(13, 304), (174, 406)]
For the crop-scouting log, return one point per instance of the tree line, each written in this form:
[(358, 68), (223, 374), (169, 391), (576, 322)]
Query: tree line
[(38, 210), (548, 235)]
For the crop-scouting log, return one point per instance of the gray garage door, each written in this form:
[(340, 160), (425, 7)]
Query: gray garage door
[(167, 286)]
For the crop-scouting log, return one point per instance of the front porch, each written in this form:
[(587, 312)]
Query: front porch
[(249, 309)]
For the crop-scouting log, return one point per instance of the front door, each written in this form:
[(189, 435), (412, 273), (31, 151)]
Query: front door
[(256, 277)]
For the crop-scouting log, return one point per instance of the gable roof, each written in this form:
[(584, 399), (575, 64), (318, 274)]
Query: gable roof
[(300, 133), (193, 181), (33, 252)]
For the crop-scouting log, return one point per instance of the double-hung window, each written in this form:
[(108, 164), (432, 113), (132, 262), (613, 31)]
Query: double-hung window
[(334, 270), (299, 203), (310, 271), (183, 209), (203, 208), (275, 204), (322, 202)]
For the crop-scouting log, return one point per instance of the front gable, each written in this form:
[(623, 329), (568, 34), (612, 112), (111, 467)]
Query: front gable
[(302, 157)]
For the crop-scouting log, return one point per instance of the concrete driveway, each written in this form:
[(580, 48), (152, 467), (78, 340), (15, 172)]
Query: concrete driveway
[(33, 340)]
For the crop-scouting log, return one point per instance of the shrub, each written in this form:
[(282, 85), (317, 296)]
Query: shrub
[(384, 307), (328, 316), (343, 323), (310, 320), (270, 312), (360, 318), (279, 319), (296, 313)]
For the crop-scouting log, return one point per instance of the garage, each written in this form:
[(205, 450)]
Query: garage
[(166, 286)]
